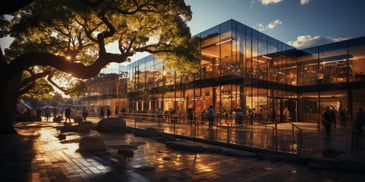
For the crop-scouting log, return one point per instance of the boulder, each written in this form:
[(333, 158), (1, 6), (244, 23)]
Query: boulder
[(81, 127), (126, 153), (112, 124), (92, 144), (86, 126)]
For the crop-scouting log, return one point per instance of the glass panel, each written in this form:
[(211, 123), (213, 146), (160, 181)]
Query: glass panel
[(307, 61), (356, 59), (333, 63)]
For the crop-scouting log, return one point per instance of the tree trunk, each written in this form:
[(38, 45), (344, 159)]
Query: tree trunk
[(8, 98)]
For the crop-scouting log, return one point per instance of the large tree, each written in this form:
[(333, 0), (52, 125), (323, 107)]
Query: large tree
[(53, 37)]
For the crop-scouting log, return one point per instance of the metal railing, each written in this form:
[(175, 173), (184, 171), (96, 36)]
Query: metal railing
[(258, 136)]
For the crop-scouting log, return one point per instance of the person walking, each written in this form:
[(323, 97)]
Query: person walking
[(84, 113), (68, 115), (327, 120), (210, 117), (359, 119), (47, 113)]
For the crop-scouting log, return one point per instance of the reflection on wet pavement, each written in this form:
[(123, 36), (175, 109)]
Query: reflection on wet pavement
[(58, 160)]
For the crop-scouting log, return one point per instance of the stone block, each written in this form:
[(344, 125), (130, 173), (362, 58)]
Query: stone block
[(91, 144)]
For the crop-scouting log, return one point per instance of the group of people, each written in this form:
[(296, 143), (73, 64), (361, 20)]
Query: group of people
[(329, 119), (103, 112)]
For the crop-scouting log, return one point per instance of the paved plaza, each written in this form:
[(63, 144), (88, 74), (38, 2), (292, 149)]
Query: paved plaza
[(37, 154)]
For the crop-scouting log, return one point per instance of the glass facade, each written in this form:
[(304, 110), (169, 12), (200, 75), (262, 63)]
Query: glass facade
[(242, 68)]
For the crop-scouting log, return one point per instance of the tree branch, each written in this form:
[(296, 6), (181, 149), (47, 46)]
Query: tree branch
[(29, 82), (49, 79), (78, 70)]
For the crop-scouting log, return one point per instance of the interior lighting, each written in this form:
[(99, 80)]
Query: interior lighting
[(208, 54), (224, 41), (267, 57), (260, 61)]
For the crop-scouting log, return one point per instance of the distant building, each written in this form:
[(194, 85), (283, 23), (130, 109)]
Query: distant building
[(105, 90), (244, 68)]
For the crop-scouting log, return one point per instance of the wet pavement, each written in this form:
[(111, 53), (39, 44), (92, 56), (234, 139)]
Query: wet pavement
[(38, 155), (303, 138)]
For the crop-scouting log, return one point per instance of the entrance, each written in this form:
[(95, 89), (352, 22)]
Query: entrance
[(282, 109)]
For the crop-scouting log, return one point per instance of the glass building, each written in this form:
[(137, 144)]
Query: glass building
[(242, 68)]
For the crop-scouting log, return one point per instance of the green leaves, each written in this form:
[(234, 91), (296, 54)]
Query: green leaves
[(79, 31)]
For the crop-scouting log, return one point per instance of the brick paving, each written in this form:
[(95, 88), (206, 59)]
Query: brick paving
[(38, 155)]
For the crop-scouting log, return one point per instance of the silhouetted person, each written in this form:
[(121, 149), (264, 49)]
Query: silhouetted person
[(47, 114), (327, 121), (108, 112), (84, 113), (116, 111), (225, 114), (343, 117), (68, 115), (159, 115), (190, 116), (101, 114), (210, 117), (39, 115), (273, 115), (359, 119), (251, 115), (239, 117), (333, 116)]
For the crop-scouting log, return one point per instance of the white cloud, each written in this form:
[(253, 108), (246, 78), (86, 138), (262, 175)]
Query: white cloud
[(261, 27), (305, 41), (273, 24), (302, 2), (267, 2)]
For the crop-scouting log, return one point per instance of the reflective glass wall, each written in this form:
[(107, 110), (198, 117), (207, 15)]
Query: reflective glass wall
[(242, 68)]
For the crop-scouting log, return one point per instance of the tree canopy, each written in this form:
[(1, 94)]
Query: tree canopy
[(53, 37)]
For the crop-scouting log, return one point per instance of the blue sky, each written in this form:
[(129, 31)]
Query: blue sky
[(301, 23)]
